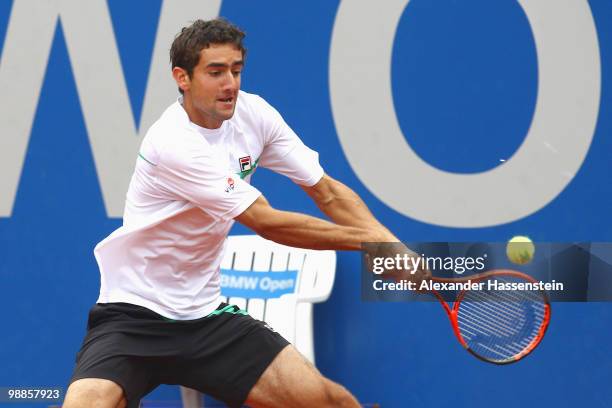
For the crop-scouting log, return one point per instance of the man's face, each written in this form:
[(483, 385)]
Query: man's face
[(212, 90)]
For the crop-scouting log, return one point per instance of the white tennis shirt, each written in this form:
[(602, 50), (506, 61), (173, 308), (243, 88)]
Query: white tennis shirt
[(188, 185)]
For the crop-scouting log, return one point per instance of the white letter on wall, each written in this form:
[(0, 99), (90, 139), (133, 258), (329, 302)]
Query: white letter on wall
[(565, 116), (100, 84)]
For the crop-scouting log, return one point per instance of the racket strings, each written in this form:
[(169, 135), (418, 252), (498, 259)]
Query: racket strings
[(500, 324)]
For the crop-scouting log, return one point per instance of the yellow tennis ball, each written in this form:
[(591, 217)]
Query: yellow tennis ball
[(520, 250)]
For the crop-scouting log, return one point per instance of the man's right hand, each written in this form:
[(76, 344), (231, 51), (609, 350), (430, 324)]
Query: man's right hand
[(407, 265)]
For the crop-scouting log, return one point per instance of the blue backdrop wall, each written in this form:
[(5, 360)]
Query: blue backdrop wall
[(465, 80)]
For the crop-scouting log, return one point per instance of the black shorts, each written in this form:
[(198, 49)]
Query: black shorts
[(222, 355)]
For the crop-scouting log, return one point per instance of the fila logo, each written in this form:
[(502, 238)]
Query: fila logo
[(245, 163)]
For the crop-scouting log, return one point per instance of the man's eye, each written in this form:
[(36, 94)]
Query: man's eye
[(215, 73), (236, 73)]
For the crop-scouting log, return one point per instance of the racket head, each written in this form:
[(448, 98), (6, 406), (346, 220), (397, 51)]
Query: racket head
[(501, 326)]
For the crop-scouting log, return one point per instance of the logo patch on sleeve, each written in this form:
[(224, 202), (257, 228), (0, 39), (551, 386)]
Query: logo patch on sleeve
[(247, 166), (245, 163)]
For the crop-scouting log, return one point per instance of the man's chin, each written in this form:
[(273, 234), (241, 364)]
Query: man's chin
[(226, 114)]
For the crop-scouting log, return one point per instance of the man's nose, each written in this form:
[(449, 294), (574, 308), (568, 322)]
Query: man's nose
[(230, 82)]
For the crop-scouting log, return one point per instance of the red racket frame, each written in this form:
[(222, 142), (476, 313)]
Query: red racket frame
[(452, 312)]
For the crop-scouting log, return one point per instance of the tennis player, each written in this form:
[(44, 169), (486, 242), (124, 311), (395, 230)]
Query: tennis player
[(158, 319)]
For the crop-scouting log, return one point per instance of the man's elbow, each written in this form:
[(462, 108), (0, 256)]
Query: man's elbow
[(324, 192), (262, 227), (258, 217)]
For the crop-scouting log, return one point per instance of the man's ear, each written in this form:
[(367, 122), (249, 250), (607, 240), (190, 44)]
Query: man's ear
[(182, 78)]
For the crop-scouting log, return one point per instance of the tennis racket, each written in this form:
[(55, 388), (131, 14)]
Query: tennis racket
[(494, 324)]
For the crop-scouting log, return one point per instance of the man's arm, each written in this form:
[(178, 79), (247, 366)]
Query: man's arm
[(352, 222), (352, 225), (303, 231), (343, 206)]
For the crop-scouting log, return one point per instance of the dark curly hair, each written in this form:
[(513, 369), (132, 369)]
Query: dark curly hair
[(186, 47)]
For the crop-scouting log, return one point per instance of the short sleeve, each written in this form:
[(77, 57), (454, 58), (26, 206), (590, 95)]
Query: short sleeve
[(198, 178), (284, 152)]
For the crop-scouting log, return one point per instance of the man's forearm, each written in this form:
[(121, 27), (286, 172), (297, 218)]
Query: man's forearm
[(304, 231), (344, 207)]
